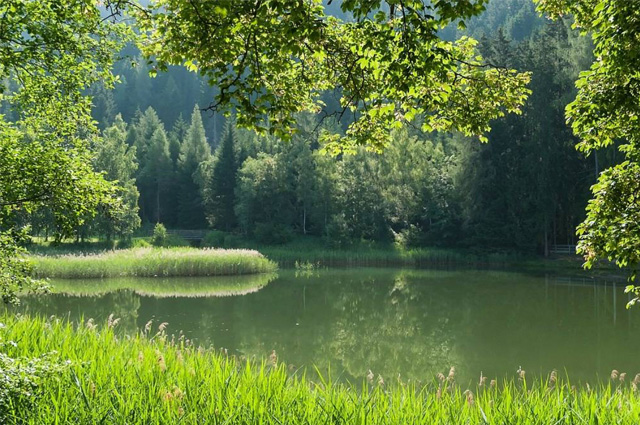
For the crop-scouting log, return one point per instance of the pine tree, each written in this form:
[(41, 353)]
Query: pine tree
[(194, 151), (155, 179), (141, 136), (104, 106), (177, 134), (220, 194)]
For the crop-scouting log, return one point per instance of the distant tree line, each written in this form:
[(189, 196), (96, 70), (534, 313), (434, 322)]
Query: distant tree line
[(524, 190)]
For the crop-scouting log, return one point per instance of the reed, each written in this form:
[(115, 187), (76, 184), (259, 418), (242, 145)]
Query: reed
[(153, 262), (100, 377)]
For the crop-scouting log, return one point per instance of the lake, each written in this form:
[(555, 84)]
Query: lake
[(394, 322)]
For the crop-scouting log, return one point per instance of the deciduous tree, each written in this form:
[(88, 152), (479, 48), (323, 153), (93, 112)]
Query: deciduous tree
[(606, 109), (50, 53), (272, 59)]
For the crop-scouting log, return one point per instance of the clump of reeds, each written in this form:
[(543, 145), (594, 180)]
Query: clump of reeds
[(150, 378), (154, 262)]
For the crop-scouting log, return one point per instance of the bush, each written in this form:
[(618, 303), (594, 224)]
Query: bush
[(411, 237), (233, 241), (133, 243), (213, 239), (21, 382), (338, 234), (176, 241), (272, 233), (160, 235)]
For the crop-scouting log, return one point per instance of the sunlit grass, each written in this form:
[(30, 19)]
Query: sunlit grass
[(150, 379), (153, 262)]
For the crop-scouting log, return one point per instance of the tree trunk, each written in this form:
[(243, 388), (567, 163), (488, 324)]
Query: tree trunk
[(546, 239), (158, 203), (304, 220)]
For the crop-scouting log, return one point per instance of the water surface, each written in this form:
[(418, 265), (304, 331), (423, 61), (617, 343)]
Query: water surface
[(394, 322)]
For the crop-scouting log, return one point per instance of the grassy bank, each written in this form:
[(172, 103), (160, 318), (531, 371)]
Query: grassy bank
[(375, 256), (391, 256), (92, 376), (313, 250), (152, 262)]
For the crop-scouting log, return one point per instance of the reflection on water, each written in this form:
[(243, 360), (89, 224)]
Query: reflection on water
[(409, 322)]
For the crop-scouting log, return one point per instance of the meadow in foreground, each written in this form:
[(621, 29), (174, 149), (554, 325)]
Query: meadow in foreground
[(88, 374), (153, 262)]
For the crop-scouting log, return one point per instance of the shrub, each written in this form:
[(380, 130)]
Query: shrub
[(410, 237), (133, 243), (272, 233), (213, 239), (21, 382), (176, 241), (233, 241), (140, 243), (160, 235), (337, 233)]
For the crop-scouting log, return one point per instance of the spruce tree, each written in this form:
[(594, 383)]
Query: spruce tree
[(141, 131), (177, 134), (155, 179), (140, 135), (220, 194), (194, 151), (104, 106)]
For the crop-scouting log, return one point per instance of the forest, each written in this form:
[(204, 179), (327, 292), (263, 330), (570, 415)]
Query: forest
[(319, 211), (524, 190)]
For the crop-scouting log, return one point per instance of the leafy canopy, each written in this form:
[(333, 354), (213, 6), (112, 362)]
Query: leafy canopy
[(50, 52), (606, 110), (273, 58)]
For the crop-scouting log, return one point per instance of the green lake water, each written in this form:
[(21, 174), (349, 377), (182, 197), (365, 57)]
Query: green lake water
[(394, 322)]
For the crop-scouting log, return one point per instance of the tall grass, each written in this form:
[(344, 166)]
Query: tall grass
[(310, 249), (153, 262), (151, 379)]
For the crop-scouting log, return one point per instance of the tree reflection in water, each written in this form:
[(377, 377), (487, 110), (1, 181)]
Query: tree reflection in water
[(412, 323)]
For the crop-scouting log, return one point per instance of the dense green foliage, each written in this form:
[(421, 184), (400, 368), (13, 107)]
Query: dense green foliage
[(271, 60), (220, 187), (49, 55), (392, 89), (153, 262), (157, 380), (118, 162), (606, 111), (426, 188), (194, 151)]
